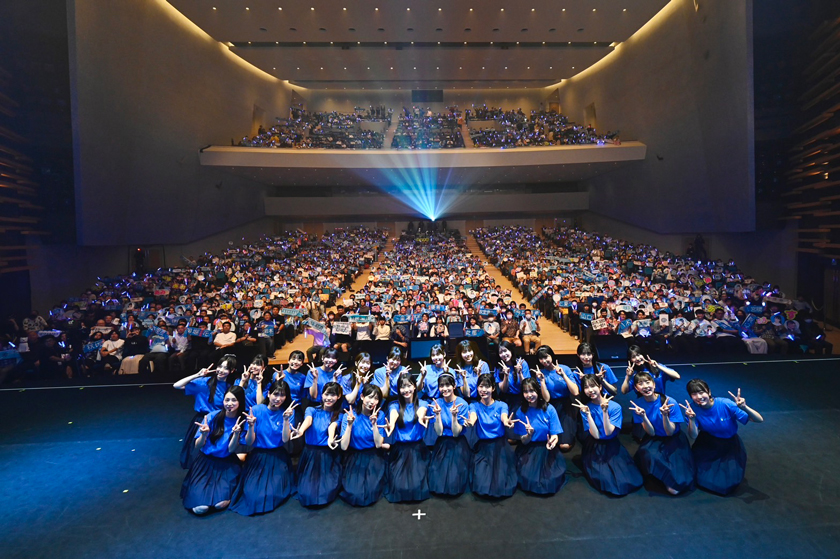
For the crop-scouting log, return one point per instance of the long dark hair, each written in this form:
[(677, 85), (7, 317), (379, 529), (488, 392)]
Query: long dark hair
[(510, 347), (395, 352), (463, 346), (217, 425), (300, 355), (283, 387), (329, 352), (333, 388), (259, 361), (588, 380), (696, 385), (230, 359), (531, 383), (586, 348), (369, 390), (488, 380), (632, 352), (406, 377)]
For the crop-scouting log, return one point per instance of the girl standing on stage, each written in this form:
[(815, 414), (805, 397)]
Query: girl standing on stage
[(215, 470), (664, 453), (493, 469), (449, 467), (408, 460), (718, 450), (319, 469), (252, 379), (430, 374), (587, 365), (364, 466), (385, 377), (295, 376), (318, 377), (509, 375), (638, 362), (266, 480), (351, 382), (562, 385), (540, 466), (606, 463), (469, 367), (209, 387)]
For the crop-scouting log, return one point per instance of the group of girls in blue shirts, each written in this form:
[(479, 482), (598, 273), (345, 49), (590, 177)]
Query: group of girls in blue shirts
[(362, 434)]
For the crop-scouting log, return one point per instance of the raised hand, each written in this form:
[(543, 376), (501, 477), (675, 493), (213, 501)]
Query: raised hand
[(290, 411), (689, 413), (601, 372), (250, 418), (374, 414), (203, 427), (578, 372), (257, 375), (540, 375), (446, 365), (206, 372), (436, 408), (246, 373), (605, 403), (454, 410), (584, 409), (238, 427), (505, 370), (332, 443), (740, 402), (638, 410), (528, 427), (665, 409), (351, 415), (314, 370), (423, 369), (629, 372), (295, 433)]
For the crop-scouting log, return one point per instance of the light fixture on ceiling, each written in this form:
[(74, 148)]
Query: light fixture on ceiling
[(214, 7)]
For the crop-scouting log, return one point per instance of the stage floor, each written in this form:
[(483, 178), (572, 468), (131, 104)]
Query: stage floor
[(93, 472)]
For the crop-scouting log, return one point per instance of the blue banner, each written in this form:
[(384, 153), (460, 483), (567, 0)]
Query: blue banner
[(199, 333)]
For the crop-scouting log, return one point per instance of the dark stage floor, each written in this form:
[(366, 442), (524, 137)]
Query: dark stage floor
[(93, 472)]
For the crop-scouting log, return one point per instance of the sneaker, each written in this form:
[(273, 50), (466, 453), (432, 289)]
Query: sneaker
[(201, 509)]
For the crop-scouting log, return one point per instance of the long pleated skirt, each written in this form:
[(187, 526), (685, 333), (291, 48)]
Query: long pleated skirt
[(210, 480), (609, 468), (188, 450), (568, 416), (408, 466), (318, 476), (363, 477), (540, 470), (493, 469), (266, 482), (668, 459), (449, 467), (721, 463)]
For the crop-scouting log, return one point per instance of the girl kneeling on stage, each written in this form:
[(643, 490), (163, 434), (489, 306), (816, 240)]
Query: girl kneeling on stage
[(266, 480), (215, 469), (539, 464), (361, 438), (606, 463), (718, 451), (408, 461), (319, 469), (449, 468), (493, 471), (664, 452)]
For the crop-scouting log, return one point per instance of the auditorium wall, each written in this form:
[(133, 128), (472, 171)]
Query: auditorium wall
[(346, 101), (683, 86), (149, 89)]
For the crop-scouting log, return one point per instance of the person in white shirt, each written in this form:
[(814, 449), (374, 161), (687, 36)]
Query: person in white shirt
[(179, 343), (382, 330), (530, 329), (111, 352), (223, 340)]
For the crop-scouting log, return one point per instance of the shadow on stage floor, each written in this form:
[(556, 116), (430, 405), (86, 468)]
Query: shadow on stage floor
[(93, 472)]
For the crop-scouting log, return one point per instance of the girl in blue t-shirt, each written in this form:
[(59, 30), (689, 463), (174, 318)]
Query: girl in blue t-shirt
[(562, 385), (509, 374), (295, 377), (606, 463), (385, 377), (449, 466), (362, 435), (215, 470), (319, 469), (588, 365), (493, 469), (540, 466), (408, 460), (469, 367), (638, 362), (318, 377), (253, 380), (664, 452), (351, 382), (266, 480), (208, 386), (429, 374), (718, 450)]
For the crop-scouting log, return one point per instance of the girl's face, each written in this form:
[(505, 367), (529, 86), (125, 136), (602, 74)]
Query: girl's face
[(222, 372), (530, 396), (638, 359), (586, 359), (437, 360), (645, 387), (276, 399), (370, 402), (393, 363), (330, 398), (467, 355), (505, 354), (446, 390), (593, 392), (407, 390), (230, 403), (329, 362), (485, 391), (702, 399), (363, 366), (546, 362), (295, 362)]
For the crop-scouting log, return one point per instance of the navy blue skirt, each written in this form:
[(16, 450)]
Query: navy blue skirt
[(668, 459), (265, 483), (363, 479), (188, 450), (608, 467), (318, 476), (449, 468), (493, 469), (567, 414), (540, 470), (721, 463), (210, 480), (408, 466)]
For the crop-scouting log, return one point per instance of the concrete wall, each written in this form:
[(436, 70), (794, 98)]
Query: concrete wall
[(683, 86), (148, 90)]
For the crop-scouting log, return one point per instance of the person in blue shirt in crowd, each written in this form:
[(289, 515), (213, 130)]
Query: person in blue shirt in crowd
[(469, 368), (408, 459), (208, 386), (606, 463), (362, 435), (718, 450), (493, 469), (509, 374), (449, 466), (540, 466), (266, 480), (664, 452), (319, 469), (318, 377), (214, 472), (562, 385)]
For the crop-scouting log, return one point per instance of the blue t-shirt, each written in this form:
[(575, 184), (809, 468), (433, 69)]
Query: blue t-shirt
[(556, 384), (269, 426), (659, 380), (609, 375), (379, 380), (472, 377), (446, 414), (721, 419), (545, 422), (296, 381), (489, 424), (361, 437), (345, 381), (323, 378), (318, 434), (430, 386), (513, 382), (250, 392), (597, 417), (655, 416), (411, 430), (219, 449), (201, 391)]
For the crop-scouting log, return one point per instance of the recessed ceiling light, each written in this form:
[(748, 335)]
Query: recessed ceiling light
[(304, 42), (594, 10), (470, 9), (377, 9), (313, 9), (482, 67), (368, 67), (415, 67), (345, 9), (551, 67), (247, 8), (322, 67), (564, 9), (214, 7), (408, 9), (505, 67), (392, 67), (625, 9), (298, 68), (281, 9), (345, 67), (274, 68), (502, 10), (276, 42), (438, 67), (439, 9), (529, 67), (533, 9)]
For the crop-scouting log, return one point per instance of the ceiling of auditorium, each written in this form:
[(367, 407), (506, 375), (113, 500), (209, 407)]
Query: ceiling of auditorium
[(421, 44)]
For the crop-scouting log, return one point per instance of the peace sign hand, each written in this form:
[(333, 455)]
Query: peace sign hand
[(238, 427), (454, 410), (689, 413), (740, 402), (505, 369), (665, 409), (551, 442), (351, 416), (446, 365), (206, 372), (629, 372), (295, 433), (250, 418), (203, 427), (539, 374), (280, 374), (314, 370), (246, 373), (290, 411), (638, 410), (528, 427), (423, 369), (583, 408), (605, 403)]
